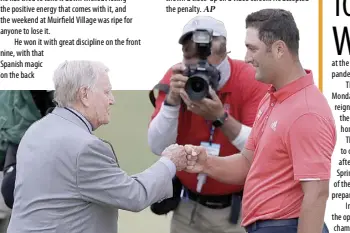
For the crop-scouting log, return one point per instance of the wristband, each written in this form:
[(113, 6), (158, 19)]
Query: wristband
[(242, 137)]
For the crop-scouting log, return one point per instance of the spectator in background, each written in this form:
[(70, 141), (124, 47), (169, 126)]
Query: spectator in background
[(286, 163), (224, 122), (18, 110)]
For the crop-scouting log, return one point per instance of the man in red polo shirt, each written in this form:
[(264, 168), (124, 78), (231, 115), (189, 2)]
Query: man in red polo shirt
[(286, 162), (222, 124)]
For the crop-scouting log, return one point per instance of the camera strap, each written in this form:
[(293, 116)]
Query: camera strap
[(160, 87)]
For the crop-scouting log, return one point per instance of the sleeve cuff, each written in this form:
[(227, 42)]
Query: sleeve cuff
[(171, 166), (242, 137), (308, 177), (170, 111)]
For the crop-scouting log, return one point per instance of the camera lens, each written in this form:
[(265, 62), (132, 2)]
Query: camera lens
[(197, 86)]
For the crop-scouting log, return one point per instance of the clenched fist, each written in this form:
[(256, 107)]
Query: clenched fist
[(189, 158), (196, 158), (177, 154)]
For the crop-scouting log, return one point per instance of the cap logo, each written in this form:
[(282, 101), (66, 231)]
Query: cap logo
[(195, 23)]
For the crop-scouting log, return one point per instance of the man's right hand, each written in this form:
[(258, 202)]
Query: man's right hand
[(177, 83), (196, 159), (177, 154)]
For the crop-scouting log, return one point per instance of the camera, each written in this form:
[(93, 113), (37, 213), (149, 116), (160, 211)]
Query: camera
[(202, 75)]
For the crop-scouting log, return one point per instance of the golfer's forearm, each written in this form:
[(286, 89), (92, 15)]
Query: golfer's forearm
[(231, 169), (312, 212)]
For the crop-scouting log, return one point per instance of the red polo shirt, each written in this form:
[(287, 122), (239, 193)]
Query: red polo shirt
[(293, 138), (241, 96)]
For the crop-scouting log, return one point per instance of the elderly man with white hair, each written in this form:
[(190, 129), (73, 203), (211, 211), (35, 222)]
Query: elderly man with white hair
[(68, 180)]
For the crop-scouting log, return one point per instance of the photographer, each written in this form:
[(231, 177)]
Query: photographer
[(221, 123)]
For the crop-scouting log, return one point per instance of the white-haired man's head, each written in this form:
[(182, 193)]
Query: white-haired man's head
[(85, 87)]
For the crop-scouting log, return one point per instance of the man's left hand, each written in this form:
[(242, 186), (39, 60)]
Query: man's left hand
[(210, 109)]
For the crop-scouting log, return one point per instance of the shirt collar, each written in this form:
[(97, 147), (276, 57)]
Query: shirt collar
[(225, 70), (293, 87), (88, 124)]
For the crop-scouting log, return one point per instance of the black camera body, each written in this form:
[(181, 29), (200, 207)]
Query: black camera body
[(202, 75)]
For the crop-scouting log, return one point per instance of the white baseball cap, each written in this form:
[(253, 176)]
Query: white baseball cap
[(203, 22)]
